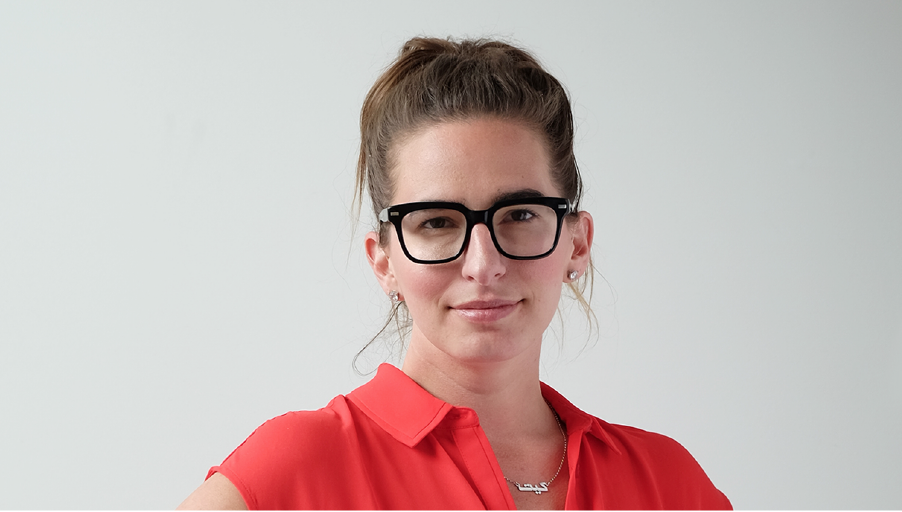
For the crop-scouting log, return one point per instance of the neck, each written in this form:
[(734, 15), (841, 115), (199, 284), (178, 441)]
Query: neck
[(505, 394)]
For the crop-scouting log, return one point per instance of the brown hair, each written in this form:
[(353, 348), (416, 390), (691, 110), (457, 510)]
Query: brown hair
[(439, 80)]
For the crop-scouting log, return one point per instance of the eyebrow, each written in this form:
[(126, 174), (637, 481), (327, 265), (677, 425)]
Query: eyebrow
[(525, 193)]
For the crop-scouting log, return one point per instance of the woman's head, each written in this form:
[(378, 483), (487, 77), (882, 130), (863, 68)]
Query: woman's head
[(437, 82)]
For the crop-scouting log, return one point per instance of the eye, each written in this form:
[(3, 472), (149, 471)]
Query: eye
[(437, 223), (433, 222), (519, 215)]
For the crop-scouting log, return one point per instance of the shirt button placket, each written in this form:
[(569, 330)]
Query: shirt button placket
[(481, 462)]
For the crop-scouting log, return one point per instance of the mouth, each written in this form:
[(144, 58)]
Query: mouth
[(486, 310)]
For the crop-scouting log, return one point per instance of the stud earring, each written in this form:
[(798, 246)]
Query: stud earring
[(393, 295), (573, 274)]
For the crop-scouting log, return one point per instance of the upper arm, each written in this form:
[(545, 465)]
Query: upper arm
[(216, 493)]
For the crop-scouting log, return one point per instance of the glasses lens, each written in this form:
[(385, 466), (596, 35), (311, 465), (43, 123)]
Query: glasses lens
[(434, 234), (525, 230)]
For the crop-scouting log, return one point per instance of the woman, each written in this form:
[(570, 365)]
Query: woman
[(467, 155)]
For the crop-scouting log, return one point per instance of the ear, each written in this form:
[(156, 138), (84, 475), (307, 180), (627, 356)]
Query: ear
[(582, 231), (379, 262)]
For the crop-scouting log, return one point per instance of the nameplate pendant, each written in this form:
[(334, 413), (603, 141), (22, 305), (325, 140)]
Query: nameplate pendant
[(538, 489)]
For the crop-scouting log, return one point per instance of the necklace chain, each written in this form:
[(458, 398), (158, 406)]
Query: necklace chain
[(543, 486)]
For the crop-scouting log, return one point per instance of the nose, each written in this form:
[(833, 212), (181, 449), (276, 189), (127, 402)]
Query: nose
[(481, 260)]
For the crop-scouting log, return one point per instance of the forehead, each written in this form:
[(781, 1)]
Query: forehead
[(471, 162)]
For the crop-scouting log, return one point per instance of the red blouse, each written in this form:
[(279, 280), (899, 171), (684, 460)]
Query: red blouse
[(391, 445)]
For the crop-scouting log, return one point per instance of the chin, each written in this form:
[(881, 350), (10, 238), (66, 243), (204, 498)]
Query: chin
[(489, 347)]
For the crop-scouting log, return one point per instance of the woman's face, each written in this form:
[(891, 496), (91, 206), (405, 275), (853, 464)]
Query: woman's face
[(481, 306)]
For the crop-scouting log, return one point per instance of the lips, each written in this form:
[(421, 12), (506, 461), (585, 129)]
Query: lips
[(486, 310)]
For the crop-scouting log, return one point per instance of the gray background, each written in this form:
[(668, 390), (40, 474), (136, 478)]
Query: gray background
[(178, 261)]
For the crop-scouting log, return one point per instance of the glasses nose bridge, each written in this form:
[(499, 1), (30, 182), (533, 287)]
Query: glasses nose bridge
[(475, 217)]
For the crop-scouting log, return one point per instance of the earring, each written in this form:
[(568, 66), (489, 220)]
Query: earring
[(573, 274), (393, 295)]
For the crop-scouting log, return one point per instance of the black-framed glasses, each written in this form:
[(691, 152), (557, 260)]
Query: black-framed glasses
[(438, 232)]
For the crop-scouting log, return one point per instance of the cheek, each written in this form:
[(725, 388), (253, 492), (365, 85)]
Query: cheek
[(547, 282), (423, 284), (546, 279), (423, 292), (417, 283)]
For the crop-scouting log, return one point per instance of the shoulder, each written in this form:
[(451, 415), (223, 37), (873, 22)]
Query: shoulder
[(629, 468), (267, 467), (674, 473), (643, 443), (306, 433), (290, 423)]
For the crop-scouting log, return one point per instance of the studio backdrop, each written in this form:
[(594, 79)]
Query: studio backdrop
[(180, 259)]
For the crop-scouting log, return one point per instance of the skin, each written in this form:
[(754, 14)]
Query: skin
[(216, 493), (477, 321)]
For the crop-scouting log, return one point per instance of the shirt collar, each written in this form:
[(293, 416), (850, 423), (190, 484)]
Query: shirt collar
[(409, 413), (575, 419), (399, 405)]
